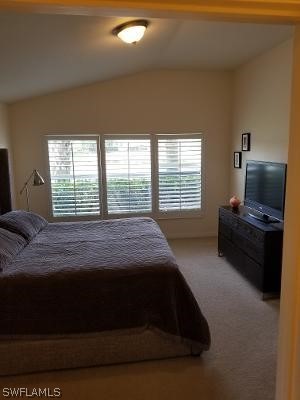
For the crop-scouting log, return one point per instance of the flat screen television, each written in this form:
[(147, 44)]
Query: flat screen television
[(265, 188)]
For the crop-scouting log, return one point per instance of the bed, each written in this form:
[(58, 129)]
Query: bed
[(91, 293)]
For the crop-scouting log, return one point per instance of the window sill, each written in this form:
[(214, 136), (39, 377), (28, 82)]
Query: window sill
[(155, 216)]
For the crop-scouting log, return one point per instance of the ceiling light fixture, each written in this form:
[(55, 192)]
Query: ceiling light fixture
[(131, 32)]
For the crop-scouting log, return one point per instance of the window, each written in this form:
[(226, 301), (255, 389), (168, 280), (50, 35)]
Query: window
[(128, 175), (141, 174), (179, 171), (74, 174)]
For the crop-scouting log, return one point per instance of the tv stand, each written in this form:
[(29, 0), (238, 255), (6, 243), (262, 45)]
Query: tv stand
[(253, 247)]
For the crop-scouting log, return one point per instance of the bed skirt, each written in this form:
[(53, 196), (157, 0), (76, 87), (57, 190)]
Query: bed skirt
[(20, 355)]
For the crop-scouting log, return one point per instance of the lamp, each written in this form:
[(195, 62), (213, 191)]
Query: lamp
[(38, 180), (131, 32)]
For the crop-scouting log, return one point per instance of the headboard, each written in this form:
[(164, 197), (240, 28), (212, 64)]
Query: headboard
[(5, 193)]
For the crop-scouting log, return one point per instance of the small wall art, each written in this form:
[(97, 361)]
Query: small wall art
[(237, 159), (246, 141)]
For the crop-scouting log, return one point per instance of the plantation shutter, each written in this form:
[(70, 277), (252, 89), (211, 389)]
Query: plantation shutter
[(179, 172), (128, 175), (74, 173)]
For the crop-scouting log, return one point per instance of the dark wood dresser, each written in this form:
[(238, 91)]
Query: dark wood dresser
[(253, 247)]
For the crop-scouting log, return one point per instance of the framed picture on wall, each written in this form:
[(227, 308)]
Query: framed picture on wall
[(246, 141), (237, 159)]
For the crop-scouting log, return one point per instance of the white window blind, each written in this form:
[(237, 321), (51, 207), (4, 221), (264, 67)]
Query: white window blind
[(179, 173), (74, 173), (128, 175)]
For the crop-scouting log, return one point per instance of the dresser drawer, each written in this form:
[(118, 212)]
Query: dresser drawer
[(251, 269), (248, 247), (227, 218), (252, 234), (225, 229)]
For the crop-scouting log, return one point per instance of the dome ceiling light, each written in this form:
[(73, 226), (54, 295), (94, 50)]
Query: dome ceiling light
[(132, 31)]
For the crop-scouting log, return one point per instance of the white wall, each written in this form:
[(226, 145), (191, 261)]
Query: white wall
[(262, 92), (159, 102)]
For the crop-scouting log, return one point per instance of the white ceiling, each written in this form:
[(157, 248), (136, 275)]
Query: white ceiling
[(44, 53)]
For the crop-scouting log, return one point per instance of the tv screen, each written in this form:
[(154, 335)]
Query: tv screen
[(265, 187)]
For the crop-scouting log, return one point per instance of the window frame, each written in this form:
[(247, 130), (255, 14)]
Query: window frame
[(154, 156), (49, 188), (104, 137), (178, 214)]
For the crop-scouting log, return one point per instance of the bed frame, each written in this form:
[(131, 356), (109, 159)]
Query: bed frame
[(36, 354)]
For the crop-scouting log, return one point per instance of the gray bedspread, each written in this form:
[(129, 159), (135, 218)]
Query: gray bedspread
[(96, 276)]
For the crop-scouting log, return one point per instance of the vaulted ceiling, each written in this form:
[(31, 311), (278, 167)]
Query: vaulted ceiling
[(44, 53)]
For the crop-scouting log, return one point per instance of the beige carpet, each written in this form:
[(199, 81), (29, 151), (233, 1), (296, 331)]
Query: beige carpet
[(240, 365)]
